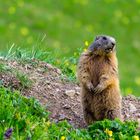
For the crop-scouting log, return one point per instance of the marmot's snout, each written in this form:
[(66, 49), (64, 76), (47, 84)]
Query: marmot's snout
[(103, 43), (110, 43)]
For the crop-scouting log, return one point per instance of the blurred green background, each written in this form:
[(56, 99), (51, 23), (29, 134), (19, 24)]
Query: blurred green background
[(62, 26)]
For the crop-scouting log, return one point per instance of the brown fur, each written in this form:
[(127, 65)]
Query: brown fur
[(98, 76)]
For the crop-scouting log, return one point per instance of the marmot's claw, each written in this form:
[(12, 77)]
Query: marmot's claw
[(90, 87), (97, 90)]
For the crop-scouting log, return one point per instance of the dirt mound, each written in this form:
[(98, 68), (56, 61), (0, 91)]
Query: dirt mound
[(61, 97)]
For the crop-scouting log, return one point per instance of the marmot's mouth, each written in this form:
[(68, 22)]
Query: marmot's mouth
[(109, 49)]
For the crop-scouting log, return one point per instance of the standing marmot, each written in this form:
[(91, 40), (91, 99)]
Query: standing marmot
[(98, 76)]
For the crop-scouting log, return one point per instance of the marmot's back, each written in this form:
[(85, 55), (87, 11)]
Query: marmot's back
[(98, 76)]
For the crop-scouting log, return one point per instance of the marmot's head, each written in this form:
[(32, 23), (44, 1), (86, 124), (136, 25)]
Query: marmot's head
[(103, 45)]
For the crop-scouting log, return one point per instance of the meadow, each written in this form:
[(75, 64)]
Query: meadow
[(62, 28), (25, 119)]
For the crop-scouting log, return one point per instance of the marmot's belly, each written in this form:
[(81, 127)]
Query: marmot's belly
[(108, 99)]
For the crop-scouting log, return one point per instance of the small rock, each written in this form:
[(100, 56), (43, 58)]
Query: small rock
[(78, 93), (132, 108), (66, 106), (70, 93), (58, 71), (48, 82), (49, 66), (57, 90), (62, 117), (77, 88)]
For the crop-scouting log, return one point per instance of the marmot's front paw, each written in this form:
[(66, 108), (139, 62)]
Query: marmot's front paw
[(98, 89), (90, 86)]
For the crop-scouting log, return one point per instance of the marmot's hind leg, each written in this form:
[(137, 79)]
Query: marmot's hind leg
[(88, 116), (112, 114)]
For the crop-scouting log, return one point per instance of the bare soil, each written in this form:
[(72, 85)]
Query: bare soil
[(60, 96)]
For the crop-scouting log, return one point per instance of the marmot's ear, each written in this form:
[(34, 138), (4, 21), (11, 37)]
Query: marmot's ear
[(96, 38)]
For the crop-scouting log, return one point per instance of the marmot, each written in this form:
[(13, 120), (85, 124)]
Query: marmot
[(98, 77)]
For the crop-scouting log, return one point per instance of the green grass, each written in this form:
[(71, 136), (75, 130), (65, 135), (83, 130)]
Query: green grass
[(62, 27), (24, 81), (25, 118)]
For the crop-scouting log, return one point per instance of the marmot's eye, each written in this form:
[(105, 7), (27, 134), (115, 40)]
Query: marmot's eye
[(104, 38)]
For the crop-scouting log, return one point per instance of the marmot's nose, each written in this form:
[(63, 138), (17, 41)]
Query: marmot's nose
[(113, 42)]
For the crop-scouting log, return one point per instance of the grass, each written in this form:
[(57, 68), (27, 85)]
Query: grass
[(62, 28), (25, 118), (56, 32), (22, 78)]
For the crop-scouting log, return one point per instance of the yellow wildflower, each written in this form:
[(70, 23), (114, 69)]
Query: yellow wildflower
[(66, 63), (84, 2), (138, 1), (118, 13), (136, 137), (75, 53), (17, 116), (128, 90), (111, 139), (48, 123), (85, 50), (24, 31), (63, 138), (58, 61), (12, 10), (137, 81), (27, 121), (109, 132), (86, 43), (20, 3)]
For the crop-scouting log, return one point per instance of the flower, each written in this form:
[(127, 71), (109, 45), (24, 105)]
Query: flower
[(85, 50), (12, 10), (27, 121), (118, 13), (138, 1), (66, 63), (128, 90), (110, 139), (17, 116), (20, 3), (8, 133), (62, 138), (136, 137), (137, 81), (48, 123), (86, 43), (75, 53), (24, 31), (109, 132)]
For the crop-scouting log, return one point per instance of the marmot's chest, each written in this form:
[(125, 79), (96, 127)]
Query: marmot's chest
[(98, 68)]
